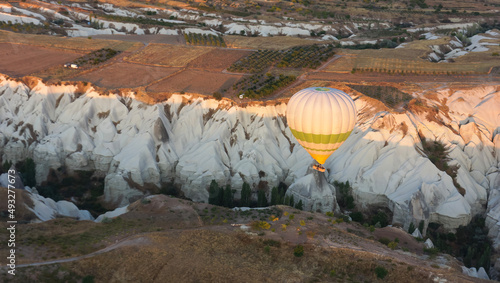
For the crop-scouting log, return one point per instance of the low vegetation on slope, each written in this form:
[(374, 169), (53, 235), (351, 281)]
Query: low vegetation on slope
[(280, 243)]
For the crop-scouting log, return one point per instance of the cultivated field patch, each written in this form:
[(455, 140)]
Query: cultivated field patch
[(412, 59), (145, 38), (218, 59), (275, 42), (126, 75), (203, 82), (167, 55), (20, 60), (75, 43)]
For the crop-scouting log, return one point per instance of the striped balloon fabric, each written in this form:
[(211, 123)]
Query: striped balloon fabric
[(321, 119)]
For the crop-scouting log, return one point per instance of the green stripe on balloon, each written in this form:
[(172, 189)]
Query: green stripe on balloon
[(319, 138), (322, 150)]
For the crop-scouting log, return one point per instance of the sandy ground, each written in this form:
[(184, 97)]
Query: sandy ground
[(14, 58)]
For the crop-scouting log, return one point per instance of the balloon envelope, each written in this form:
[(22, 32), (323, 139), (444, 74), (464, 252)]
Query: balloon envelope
[(321, 119)]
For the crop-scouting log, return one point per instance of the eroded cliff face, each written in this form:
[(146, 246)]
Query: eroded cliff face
[(191, 141)]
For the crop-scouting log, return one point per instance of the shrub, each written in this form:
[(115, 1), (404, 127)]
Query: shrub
[(380, 217), (381, 272), (272, 243), (217, 95), (298, 251), (267, 249), (357, 216), (392, 245), (384, 241)]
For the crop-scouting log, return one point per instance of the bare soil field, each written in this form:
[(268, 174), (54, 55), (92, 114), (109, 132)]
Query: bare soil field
[(75, 43), (126, 75), (167, 55), (145, 38), (218, 59), (275, 42), (19, 60), (202, 82)]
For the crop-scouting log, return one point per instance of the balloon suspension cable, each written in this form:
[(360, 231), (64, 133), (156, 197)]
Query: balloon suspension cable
[(319, 168)]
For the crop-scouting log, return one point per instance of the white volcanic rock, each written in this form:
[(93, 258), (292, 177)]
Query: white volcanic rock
[(47, 209), (191, 141), (473, 272), (416, 234), (481, 273), (315, 192), (428, 244), (112, 214), (117, 190), (11, 180)]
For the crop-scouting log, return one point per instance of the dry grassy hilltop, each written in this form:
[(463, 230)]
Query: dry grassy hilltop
[(163, 238)]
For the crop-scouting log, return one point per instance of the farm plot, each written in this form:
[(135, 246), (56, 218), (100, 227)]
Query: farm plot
[(275, 42), (412, 59), (195, 81), (296, 57), (218, 59), (75, 43), (126, 75), (167, 55), (21, 60)]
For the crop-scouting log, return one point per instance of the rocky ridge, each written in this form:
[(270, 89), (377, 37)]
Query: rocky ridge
[(191, 140)]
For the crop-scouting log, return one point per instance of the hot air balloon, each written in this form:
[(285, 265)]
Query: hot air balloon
[(321, 119)]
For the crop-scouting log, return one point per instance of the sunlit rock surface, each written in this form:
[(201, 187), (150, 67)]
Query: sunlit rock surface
[(191, 141), (315, 192)]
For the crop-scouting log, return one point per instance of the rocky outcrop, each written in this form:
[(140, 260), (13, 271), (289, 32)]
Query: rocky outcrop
[(315, 192), (473, 272), (44, 208), (190, 141)]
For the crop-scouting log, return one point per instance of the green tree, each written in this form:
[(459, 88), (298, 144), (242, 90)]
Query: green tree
[(245, 195), (412, 228), (6, 166), (261, 199), (228, 197), (421, 226), (213, 192), (292, 201), (299, 205), (274, 196), (220, 196), (27, 170), (287, 200)]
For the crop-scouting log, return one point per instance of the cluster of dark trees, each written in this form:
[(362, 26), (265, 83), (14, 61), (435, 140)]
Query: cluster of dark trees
[(204, 39), (224, 196)]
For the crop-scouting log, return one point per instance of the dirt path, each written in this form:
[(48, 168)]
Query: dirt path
[(133, 240)]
